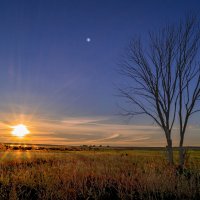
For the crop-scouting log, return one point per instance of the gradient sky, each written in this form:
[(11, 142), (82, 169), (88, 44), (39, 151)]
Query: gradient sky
[(62, 86)]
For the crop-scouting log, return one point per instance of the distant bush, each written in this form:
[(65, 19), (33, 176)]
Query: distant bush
[(15, 148)]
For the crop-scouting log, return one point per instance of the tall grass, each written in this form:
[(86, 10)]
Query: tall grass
[(97, 175)]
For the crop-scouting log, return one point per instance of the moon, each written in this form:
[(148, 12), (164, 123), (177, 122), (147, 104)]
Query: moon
[(88, 39)]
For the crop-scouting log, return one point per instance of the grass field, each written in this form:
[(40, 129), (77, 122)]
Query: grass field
[(103, 174)]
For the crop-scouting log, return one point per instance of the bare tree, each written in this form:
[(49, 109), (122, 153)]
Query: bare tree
[(154, 80), (188, 75), (165, 77)]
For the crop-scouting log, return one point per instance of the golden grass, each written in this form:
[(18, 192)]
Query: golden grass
[(96, 175)]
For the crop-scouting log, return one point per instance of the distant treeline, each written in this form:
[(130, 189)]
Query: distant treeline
[(29, 147), (50, 147)]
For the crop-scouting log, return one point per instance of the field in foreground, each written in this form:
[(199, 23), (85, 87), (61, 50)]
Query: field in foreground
[(110, 174)]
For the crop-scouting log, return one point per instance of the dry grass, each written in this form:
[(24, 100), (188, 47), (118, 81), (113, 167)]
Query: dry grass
[(96, 175)]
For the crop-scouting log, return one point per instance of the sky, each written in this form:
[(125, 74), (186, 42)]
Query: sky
[(59, 61)]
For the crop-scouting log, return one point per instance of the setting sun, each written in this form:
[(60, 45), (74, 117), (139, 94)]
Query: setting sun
[(20, 130)]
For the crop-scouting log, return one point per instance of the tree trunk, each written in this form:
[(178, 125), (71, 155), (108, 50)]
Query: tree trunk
[(181, 153), (170, 152), (181, 156)]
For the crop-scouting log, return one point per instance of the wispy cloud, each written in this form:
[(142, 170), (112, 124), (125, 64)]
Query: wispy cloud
[(88, 130)]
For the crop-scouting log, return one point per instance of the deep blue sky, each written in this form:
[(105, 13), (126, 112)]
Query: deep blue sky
[(50, 71)]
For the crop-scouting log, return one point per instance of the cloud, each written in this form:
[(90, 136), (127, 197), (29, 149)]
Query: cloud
[(88, 130), (84, 120)]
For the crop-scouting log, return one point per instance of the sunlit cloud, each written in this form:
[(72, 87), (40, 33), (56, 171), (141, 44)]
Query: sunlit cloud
[(90, 131)]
